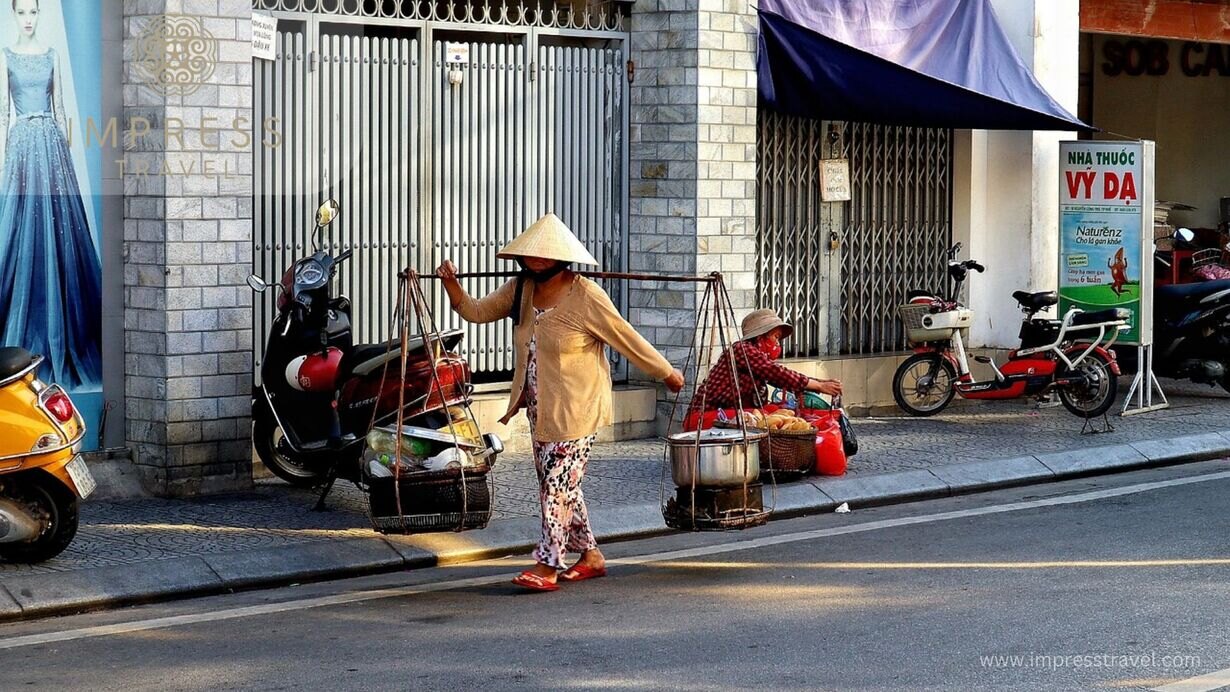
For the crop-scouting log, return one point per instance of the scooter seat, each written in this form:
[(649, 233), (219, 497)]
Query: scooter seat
[(1036, 301), (1101, 316), (13, 360), (366, 358), (1190, 293)]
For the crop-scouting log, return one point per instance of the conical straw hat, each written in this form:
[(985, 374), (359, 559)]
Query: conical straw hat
[(548, 238)]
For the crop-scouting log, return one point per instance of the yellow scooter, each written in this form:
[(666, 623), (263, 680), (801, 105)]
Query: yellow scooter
[(41, 472)]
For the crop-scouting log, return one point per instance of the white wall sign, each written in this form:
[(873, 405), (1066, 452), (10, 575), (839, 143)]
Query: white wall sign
[(457, 54), (264, 36)]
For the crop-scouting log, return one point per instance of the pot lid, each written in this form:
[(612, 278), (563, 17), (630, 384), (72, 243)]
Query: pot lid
[(717, 435)]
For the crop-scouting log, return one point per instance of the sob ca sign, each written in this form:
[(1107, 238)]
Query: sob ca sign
[(1115, 185)]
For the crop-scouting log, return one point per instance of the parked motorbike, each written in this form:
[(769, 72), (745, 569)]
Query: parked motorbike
[(1191, 329), (1049, 360), (41, 473), (320, 394)]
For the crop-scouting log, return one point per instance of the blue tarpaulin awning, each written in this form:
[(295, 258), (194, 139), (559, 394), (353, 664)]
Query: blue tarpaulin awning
[(925, 63)]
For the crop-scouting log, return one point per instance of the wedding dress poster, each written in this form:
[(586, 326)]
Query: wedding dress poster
[(50, 193)]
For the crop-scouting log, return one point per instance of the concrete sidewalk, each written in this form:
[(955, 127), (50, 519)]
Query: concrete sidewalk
[(137, 550)]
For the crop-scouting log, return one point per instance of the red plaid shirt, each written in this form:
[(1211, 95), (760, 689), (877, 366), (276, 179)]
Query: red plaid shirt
[(756, 370)]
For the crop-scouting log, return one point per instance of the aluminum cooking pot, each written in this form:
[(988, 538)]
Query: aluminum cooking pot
[(721, 459)]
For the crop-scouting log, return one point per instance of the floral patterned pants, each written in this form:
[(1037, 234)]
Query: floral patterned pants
[(561, 467)]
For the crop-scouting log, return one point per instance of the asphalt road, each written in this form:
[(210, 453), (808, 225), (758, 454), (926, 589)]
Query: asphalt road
[(1113, 583)]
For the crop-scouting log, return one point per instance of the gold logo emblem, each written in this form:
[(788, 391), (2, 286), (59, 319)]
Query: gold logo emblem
[(176, 53)]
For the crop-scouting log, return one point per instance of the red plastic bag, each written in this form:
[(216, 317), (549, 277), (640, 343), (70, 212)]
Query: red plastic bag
[(830, 455)]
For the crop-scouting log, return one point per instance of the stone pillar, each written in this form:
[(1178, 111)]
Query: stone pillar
[(187, 234), (663, 160), (693, 160), (726, 147)]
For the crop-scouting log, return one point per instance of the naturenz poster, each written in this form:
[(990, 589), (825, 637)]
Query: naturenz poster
[(1101, 217), (50, 193)]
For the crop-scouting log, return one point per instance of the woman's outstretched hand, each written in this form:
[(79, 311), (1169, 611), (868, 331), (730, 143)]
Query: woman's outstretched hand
[(674, 381), (830, 387), (448, 276), (447, 272)]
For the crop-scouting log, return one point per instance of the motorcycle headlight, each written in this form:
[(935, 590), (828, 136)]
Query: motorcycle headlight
[(309, 274)]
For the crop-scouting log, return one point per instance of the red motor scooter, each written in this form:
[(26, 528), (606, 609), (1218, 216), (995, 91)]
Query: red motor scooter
[(320, 394), (1050, 359)]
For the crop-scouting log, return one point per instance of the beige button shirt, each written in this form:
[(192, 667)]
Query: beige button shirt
[(574, 374)]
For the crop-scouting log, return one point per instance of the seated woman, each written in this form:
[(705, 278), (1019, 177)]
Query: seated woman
[(754, 356)]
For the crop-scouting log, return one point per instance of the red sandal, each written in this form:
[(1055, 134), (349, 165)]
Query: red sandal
[(582, 572), (533, 582)]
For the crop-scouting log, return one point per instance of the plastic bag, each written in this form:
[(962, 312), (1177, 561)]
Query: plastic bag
[(830, 456), (1212, 272), (849, 440)]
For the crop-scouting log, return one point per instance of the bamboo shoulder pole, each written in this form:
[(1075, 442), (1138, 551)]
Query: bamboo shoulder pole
[(678, 278)]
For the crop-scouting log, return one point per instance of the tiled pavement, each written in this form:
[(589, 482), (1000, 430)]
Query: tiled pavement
[(625, 473)]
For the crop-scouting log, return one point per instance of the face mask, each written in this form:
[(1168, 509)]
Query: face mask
[(537, 277), (542, 276), (772, 349)]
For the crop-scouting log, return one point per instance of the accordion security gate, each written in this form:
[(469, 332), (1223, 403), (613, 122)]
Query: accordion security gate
[(839, 270), (428, 168)]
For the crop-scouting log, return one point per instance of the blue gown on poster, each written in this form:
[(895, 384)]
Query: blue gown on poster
[(50, 279)]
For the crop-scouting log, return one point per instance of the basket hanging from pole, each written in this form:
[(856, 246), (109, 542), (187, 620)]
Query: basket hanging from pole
[(453, 499), (698, 504)]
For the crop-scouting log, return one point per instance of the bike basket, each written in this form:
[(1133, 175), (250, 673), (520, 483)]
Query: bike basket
[(922, 325), (915, 332)]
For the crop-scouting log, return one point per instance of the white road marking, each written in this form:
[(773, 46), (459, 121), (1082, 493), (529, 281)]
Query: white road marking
[(1202, 683), (702, 551)]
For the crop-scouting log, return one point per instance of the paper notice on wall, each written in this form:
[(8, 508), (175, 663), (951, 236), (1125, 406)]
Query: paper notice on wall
[(835, 180), (264, 36)]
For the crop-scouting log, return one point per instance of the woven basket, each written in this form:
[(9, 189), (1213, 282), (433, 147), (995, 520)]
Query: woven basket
[(788, 452), (431, 501)]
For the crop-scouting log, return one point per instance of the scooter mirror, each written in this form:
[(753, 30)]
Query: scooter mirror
[(257, 283), (1184, 235), (327, 212)]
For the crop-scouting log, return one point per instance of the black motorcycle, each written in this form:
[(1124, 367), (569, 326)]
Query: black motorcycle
[(1191, 329), (320, 394), (1191, 332)]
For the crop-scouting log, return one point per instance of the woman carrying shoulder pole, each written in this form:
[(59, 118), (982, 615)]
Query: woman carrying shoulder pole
[(562, 378)]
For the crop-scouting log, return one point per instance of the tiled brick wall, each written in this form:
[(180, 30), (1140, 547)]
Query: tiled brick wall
[(693, 159), (726, 147), (662, 207), (187, 253)]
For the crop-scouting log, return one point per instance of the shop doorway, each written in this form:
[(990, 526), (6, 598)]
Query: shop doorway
[(838, 271)]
